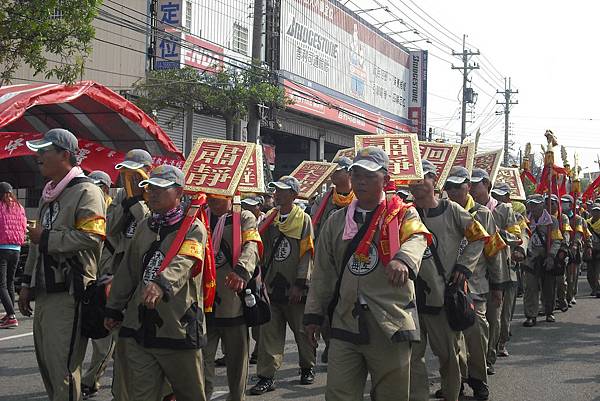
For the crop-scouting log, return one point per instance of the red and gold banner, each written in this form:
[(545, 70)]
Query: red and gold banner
[(490, 162), (253, 176), (442, 156), (347, 152), (403, 151), (216, 166), (465, 156), (311, 176), (511, 177), (91, 156)]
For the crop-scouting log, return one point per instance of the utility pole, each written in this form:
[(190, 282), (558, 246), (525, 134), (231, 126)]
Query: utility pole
[(466, 97), (507, 92), (253, 127)]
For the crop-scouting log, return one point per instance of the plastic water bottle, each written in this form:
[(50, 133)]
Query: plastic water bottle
[(249, 299)]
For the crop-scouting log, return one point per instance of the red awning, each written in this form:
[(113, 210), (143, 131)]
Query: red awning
[(87, 109)]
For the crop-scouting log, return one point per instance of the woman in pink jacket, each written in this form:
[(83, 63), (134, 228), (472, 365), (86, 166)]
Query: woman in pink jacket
[(13, 224)]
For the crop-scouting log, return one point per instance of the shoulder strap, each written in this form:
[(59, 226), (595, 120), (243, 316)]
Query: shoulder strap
[(350, 249)]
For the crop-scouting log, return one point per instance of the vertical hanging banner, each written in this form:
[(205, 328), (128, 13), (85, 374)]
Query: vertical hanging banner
[(511, 177), (465, 156), (311, 176), (347, 152), (442, 156), (490, 162), (216, 166), (167, 50), (403, 151), (417, 96), (252, 179)]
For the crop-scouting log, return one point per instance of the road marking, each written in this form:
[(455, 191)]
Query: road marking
[(17, 336)]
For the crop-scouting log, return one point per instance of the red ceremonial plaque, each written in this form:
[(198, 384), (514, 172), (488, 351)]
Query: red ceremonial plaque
[(252, 177), (311, 176), (347, 152), (442, 156), (490, 162), (216, 166), (403, 151), (512, 177), (465, 156)]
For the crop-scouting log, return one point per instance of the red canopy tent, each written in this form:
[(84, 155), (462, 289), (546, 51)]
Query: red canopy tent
[(89, 110)]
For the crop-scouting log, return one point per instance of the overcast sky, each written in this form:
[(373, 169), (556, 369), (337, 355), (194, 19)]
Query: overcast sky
[(549, 49)]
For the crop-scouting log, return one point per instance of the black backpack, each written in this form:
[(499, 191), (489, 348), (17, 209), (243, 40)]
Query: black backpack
[(260, 313)]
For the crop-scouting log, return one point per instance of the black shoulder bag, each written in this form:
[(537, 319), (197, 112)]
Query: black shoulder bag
[(260, 313)]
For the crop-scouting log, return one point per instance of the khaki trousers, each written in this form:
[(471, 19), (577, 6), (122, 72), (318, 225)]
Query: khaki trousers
[(349, 364), (474, 346), (59, 347), (593, 272), (572, 280), (444, 343), (508, 301), (235, 340), (531, 297), (121, 379), (148, 368), (494, 318), (102, 351), (561, 291), (272, 340)]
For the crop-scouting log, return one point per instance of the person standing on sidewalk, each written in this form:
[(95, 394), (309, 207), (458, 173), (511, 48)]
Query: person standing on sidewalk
[(62, 261), (13, 225), (288, 265)]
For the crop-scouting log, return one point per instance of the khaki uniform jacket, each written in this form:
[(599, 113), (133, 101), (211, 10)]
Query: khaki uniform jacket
[(579, 226), (123, 216), (330, 208), (74, 227), (566, 231), (365, 283), (287, 268), (488, 269), (537, 247), (227, 309), (178, 320), (510, 231), (448, 223)]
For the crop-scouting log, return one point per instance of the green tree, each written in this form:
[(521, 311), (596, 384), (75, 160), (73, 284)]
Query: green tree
[(30, 31), (224, 92)]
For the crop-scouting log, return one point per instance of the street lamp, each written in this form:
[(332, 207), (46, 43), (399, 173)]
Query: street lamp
[(416, 40), (368, 10), (401, 32)]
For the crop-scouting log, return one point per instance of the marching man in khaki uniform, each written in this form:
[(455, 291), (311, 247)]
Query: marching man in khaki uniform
[(517, 238), (449, 223), (593, 265), (540, 261), (102, 348), (339, 196), (508, 231), (226, 322), (162, 325), (287, 268), (62, 261), (484, 283), (369, 287)]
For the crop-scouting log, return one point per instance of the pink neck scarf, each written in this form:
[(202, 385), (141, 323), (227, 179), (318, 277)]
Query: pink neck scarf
[(544, 220), (52, 191), (492, 203), (217, 234), (351, 228)]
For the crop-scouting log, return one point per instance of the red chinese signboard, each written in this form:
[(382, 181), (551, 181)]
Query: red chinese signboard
[(347, 152), (311, 176), (216, 166), (490, 162), (252, 178), (403, 151), (465, 156), (511, 177), (442, 156)]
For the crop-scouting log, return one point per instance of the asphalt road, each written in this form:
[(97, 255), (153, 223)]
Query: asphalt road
[(551, 362)]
